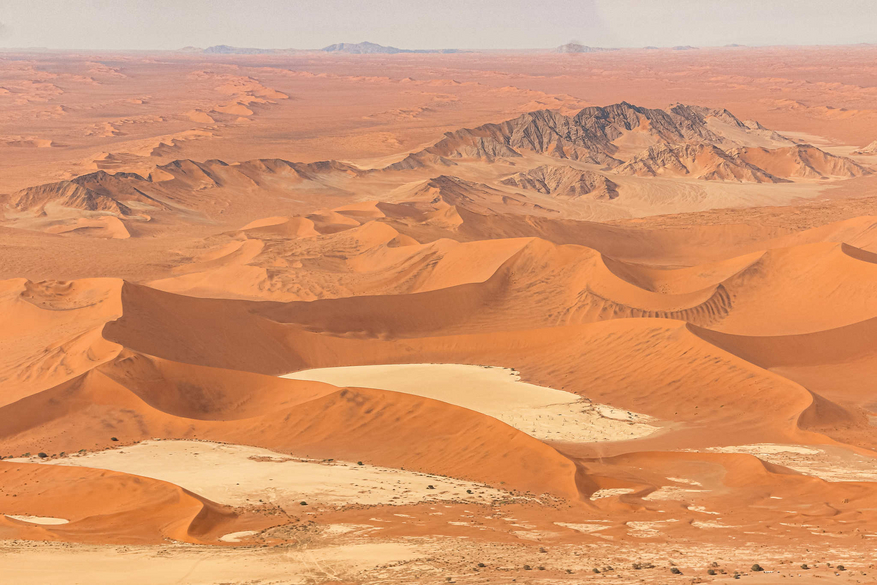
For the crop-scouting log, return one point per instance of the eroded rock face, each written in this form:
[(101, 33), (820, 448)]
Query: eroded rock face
[(701, 161), (587, 136), (700, 142), (566, 182)]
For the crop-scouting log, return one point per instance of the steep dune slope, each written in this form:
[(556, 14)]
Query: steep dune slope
[(51, 332), (628, 363), (837, 365), (803, 289)]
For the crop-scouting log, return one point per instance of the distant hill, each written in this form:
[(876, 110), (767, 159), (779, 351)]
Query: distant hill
[(366, 48), (578, 48), (229, 50)]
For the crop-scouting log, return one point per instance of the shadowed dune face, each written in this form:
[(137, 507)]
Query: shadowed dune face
[(334, 302)]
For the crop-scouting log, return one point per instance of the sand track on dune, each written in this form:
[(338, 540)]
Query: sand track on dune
[(543, 413)]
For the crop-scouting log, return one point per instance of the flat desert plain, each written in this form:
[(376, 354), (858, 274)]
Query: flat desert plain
[(478, 318)]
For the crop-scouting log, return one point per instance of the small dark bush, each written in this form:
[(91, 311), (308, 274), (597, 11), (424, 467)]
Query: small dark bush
[(359, 463), (528, 568), (595, 570), (711, 572), (804, 566), (42, 455), (114, 439), (841, 568), (675, 571), (756, 568), (303, 503), (430, 487)]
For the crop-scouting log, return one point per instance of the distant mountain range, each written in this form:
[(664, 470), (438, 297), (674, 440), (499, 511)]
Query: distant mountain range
[(364, 48), (367, 48)]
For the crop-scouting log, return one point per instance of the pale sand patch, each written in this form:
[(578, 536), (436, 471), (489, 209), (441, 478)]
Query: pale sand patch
[(702, 524), (672, 492), (47, 520), (685, 481), (703, 510), (585, 528), (237, 536), (610, 493), (39, 564), (825, 462), (238, 475), (647, 529), (544, 413), (339, 529)]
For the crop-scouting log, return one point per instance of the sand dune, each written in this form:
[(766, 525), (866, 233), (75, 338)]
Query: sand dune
[(133, 509), (136, 397)]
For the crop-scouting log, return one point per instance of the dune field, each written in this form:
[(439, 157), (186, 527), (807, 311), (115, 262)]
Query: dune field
[(482, 317)]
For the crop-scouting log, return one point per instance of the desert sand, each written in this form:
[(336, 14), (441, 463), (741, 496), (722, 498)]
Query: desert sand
[(475, 317)]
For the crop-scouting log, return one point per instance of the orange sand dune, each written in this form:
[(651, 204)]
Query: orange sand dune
[(126, 508), (136, 397), (746, 401), (51, 332)]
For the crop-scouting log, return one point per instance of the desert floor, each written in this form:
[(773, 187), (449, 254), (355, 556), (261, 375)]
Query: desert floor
[(315, 318)]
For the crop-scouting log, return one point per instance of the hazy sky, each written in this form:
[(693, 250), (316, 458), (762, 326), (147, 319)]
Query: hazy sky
[(431, 24)]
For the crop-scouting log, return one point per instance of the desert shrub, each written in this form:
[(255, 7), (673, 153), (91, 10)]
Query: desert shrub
[(675, 571), (42, 455), (757, 568)]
